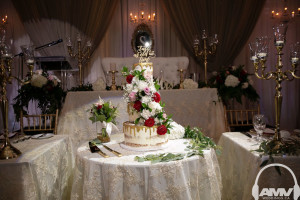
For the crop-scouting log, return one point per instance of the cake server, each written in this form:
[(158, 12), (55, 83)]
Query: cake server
[(94, 149), (113, 151)]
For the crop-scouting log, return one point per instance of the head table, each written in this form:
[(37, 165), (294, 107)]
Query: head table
[(198, 107), (43, 170), (112, 178), (240, 166)]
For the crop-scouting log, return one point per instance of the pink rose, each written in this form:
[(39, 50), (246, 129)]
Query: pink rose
[(147, 91), (50, 77), (132, 96), (165, 116)]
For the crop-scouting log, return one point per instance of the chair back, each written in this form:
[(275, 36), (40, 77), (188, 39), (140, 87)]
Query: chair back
[(39, 123), (239, 117)]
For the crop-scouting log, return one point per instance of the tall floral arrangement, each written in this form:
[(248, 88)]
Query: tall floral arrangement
[(233, 83), (41, 87), (142, 92)]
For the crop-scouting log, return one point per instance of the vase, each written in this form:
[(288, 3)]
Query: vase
[(102, 135)]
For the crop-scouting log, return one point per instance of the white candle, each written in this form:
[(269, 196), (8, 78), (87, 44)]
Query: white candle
[(29, 61), (295, 60), (254, 58), (112, 66), (262, 55), (279, 43)]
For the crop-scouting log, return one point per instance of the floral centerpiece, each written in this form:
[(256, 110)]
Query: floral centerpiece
[(142, 92), (41, 87), (105, 113), (233, 83)]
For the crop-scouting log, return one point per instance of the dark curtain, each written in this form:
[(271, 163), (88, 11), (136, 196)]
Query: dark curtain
[(232, 20), (91, 17)]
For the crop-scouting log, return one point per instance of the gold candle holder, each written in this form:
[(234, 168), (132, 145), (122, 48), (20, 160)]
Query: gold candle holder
[(206, 50), (82, 55), (181, 78), (259, 61), (113, 79), (7, 151)]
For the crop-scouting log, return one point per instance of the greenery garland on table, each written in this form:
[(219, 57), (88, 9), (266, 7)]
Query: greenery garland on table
[(43, 88), (271, 148), (197, 145), (84, 87)]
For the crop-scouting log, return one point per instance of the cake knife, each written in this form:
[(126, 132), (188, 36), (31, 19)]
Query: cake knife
[(113, 151), (94, 149)]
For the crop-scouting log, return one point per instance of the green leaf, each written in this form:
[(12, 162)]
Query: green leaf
[(264, 163)]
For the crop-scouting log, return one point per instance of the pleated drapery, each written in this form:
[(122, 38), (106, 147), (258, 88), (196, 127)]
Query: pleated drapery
[(232, 20)]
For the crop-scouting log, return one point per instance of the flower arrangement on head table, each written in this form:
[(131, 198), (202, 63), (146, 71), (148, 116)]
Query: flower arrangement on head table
[(142, 92), (232, 83), (41, 87)]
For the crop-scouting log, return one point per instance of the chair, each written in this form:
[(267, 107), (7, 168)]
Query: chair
[(241, 119), (39, 123)]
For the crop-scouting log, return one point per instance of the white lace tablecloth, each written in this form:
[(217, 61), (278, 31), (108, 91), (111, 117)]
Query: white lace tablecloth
[(111, 178), (239, 168), (199, 107), (43, 171)]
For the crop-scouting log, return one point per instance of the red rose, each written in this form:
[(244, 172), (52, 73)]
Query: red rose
[(219, 79), (99, 107), (137, 105), (149, 122), (161, 130), (129, 78), (156, 97), (243, 73)]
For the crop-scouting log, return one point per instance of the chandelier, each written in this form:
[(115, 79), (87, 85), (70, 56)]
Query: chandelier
[(286, 14), (142, 15)]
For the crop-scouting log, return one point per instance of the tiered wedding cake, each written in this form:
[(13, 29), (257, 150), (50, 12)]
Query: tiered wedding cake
[(148, 123)]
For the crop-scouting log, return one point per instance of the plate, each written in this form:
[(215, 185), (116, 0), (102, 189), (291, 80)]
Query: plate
[(42, 136), (10, 135)]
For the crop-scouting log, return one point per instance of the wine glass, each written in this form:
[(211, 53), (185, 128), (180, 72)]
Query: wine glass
[(259, 123)]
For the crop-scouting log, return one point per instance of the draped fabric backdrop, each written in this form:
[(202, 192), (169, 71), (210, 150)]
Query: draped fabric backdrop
[(232, 20)]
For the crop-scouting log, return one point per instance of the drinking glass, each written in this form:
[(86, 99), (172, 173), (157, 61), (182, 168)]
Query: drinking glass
[(259, 123)]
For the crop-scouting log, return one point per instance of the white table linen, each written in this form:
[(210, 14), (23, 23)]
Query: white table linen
[(199, 107), (239, 167), (123, 178), (43, 171)]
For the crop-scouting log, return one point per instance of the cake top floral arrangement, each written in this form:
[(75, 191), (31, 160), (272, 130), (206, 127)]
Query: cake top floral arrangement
[(41, 87), (233, 83), (142, 92)]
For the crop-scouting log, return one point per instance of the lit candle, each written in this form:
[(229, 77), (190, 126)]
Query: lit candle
[(279, 43), (273, 13), (112, 66), (293, 14), (277, 14), (153, 16), (295, 60), (262, 55), (142, 14), (285, 9), (29, 61), (149, 17), (299, 11)]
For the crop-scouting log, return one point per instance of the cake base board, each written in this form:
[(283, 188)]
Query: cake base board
[(144, 148)]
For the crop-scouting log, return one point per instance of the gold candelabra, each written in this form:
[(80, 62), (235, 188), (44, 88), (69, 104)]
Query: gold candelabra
[(209, 48), (82, 55), (113, 79), (258, 56), (7, 151)]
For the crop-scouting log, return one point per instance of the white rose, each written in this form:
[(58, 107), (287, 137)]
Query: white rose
[(142, 85), (231, 81), (233, 67), (146, 114), (39, 72), (154, 106), (101, 101), (38, 80), (245, 85), (129, 87), (176, 131), (146, 99), (138, 68), (189, 84), (135, 80)]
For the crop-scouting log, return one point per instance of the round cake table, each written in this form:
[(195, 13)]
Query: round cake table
[(115, 177)]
